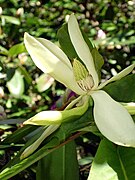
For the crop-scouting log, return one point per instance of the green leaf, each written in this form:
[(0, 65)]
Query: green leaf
[(122, 90), (11, 145), (85, 120), (17, 166), (18, 135), (5, 127), (85, 161), (89, 43), (12, 170), (17, 49), (61, 164), (12, 121), (29, 134), (11, 19), (113, 162), (3, 50), (16, 85), (98, 61), (65, 42), (25, 74)]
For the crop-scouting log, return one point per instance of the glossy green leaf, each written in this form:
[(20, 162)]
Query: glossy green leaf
[(16, 85), (113, 163), (65, 42), (11, 145), (86, 120), (19, 134), (17, 49), (61, 164), (122, 90), (87, 40), (98, 61)]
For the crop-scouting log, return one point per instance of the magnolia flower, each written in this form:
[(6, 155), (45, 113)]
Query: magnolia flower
[(111, 118)]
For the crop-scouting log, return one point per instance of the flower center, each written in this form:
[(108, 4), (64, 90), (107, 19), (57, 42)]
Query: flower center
[(82, 76)]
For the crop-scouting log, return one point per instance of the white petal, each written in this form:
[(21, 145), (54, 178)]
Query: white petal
[(45, 118), (120, 75), (82, 48), (113, 120), (51, 59)]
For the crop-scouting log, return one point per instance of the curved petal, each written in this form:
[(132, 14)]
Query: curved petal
[(120, 75), (51, 59), (113, 120), (82, 48)]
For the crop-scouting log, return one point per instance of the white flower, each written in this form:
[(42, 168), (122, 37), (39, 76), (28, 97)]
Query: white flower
[(111, 118)]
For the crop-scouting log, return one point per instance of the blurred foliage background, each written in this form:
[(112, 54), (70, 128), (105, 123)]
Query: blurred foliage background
[(24, 90), (110, 24)]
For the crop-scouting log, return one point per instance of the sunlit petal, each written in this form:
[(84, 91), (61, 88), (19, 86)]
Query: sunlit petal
[(81, 47), (50, 59), (45, 118), (113, 120), (120, 75)]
